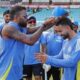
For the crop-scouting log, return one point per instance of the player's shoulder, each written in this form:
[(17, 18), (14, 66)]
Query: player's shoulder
[(77, 43), (78, 37), (46, 34)]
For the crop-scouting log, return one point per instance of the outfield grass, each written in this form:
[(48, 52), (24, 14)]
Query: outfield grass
[(78, 72)]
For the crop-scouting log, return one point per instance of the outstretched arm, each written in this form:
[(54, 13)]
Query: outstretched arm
[(12, 32), (71, 62), (60, 55), (47, 24)]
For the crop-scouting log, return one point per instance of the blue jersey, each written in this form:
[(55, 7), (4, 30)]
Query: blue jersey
[(30, 51), (11, 56), (1, 26), (70, 55), (54, 44)]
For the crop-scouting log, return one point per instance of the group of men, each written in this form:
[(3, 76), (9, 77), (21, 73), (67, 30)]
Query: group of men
[(24, 48)]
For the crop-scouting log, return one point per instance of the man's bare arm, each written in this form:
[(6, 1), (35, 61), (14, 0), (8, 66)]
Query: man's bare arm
[(11, 32), (43, 48), (47, 24), (32, 30)]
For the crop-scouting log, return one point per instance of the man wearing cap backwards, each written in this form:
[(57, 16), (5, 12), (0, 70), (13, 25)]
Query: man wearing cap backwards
[(70, 53)]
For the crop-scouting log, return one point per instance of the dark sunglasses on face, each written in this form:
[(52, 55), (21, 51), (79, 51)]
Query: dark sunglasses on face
[(32, 21)]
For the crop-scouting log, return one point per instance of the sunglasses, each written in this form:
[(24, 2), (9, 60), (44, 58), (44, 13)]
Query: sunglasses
[(32, 21)]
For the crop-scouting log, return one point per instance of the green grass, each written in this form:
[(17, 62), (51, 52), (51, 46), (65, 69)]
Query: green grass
[(78, 72)]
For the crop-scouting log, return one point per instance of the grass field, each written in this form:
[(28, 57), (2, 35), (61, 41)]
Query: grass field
[(78, 72)]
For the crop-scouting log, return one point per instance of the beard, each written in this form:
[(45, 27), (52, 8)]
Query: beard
[(7, 21), (22, 23), (65, 36)]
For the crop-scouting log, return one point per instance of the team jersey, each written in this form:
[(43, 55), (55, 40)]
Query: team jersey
[(11, 56), (30, 51), (54, 44), (69, 57)]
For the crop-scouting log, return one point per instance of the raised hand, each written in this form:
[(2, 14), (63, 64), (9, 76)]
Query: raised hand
[(41, 57)]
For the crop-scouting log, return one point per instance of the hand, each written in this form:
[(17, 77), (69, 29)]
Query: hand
[(48, 23), (50, 20), (42, 57)]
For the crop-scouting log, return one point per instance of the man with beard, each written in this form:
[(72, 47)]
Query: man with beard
[(75, 28), (6, 16), (70, 53), (14, 38), (53, 45), (31, 65)]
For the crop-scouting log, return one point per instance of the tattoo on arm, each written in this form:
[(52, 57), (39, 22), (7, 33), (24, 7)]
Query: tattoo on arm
[(10, 32)]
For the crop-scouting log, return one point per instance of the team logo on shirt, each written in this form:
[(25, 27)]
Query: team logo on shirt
[(69, 49), (66, 56), (58, 39)]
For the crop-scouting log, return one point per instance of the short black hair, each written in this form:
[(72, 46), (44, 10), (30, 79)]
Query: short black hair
[(65, 21), (6, 12), (15, 10)]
